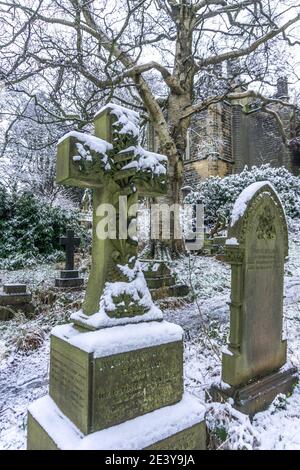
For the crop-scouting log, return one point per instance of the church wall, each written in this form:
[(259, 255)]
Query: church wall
[(257, 140), (198, 170)]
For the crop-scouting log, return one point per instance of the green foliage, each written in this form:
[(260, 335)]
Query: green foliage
[(30, 230), (218, 195), (221, 433)]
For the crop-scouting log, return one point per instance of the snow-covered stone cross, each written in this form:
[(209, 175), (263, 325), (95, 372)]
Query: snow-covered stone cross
[(117, 169)]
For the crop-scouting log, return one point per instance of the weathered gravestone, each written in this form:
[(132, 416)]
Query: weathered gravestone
[(254, 368), (86, 214), (160, 280), (15, 297), (69, 277), (116, 373)]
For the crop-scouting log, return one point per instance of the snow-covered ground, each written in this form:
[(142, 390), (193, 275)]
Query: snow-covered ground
[(24, 376)]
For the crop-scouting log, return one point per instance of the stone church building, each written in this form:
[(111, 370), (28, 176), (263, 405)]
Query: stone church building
[(230, 135)]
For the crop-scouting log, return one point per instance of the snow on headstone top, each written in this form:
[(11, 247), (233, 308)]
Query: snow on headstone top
[(232, 242), (244, 198), (127, 120), (146, 161)]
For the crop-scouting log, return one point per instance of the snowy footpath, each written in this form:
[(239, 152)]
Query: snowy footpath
[(24, 374)]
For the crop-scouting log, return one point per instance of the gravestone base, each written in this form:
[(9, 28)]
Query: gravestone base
[(259, 394), (178, 290), (117, 378), (69, 278), (177, 427), (13, 298), (104, 377)]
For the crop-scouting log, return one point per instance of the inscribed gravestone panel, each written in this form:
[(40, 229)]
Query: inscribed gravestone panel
[(257, 247)]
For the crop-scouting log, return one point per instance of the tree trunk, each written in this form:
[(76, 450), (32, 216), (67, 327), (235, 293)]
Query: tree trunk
[(184, 72)]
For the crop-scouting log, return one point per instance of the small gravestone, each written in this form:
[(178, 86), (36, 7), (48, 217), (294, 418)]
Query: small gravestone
[(160, 280), (116, 373), (86, 214), (69, 277), (254, 368), (14, 297)]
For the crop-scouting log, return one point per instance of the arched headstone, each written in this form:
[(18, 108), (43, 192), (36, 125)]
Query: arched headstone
[(256, 248)]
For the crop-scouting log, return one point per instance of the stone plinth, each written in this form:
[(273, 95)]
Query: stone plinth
[(14, 297), (14, 289), (257, 396), (99, 389), (69, 278), (177, 427), (122, 374)]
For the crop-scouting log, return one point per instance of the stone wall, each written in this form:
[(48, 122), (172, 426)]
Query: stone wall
[(197, 170), (256, 140), (210, 145), (235, 138)]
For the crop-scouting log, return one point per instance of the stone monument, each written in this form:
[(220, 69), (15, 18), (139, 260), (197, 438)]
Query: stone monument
[(116, 372), (254, 368), (15, 297), (160, 280), (86, 213), (69, 277)]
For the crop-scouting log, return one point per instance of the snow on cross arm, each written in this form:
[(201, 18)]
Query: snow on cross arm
[(146, 161), (93, 143)]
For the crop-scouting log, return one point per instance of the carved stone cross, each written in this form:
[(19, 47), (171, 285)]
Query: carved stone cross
[(69, 242), (112, 164)]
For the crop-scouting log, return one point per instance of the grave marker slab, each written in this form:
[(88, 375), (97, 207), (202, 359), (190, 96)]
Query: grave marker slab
[(254, 364), (14, 297)]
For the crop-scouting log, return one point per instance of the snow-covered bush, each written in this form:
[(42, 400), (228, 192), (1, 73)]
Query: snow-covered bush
[(218, 195), (230, 429), (30, 230)]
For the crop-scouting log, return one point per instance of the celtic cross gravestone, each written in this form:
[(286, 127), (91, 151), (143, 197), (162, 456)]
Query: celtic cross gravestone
[(124, 172), (118, 363)]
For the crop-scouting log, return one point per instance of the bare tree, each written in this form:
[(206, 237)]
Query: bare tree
[(86, 51)]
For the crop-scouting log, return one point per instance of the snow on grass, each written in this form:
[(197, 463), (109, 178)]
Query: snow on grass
[(204, 319)]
